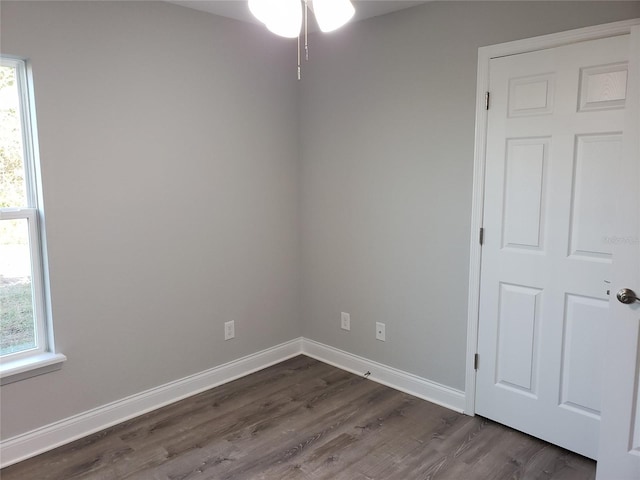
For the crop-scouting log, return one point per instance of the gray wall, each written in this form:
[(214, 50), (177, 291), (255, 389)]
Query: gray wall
[(168, 140), (387, 109)]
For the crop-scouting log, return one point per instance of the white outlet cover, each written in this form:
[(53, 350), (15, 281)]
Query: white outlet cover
[(229, 330), (345, 321), (381, 331)]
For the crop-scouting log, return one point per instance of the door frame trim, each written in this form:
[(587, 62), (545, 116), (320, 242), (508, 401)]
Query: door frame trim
[(485, 54)]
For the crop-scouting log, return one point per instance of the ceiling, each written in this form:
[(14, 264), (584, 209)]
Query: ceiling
[(239, 10)]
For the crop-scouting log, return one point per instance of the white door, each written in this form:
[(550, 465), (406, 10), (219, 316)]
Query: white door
[(619, 455), (554, 136)]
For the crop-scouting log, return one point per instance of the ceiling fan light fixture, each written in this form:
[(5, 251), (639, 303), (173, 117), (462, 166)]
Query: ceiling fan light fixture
[(285, 18), (282, 17), (260, 9), (332, 14)]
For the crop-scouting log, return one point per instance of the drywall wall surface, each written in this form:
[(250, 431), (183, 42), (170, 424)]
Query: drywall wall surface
[(387, 111), (168, 140)]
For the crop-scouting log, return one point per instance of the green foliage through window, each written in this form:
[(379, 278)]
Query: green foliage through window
[(12, 179)]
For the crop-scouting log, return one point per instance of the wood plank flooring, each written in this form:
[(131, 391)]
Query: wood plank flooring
[(303, 419)]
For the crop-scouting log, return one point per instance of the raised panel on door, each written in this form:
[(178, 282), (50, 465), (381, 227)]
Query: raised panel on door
[(518, 319), (592, 197), (524, 187), (603, 87), (582, 351), (531, 95)]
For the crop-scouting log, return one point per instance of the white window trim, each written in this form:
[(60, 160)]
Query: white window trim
[(27, 367), (42, 359)]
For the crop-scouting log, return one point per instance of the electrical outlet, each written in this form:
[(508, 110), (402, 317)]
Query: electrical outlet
[(345, 321), (229, 330), (380, 331)]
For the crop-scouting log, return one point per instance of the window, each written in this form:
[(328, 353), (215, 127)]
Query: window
[(26, 342)]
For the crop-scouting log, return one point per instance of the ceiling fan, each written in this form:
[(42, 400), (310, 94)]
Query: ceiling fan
[(286, 17)]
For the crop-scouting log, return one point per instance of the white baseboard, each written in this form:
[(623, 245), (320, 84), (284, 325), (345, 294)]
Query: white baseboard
[(40, 440), (391, 377), (46, 438)]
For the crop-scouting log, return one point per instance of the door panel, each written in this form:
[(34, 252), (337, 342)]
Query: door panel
[(584, 329), (524, 186), (554, 136), (517, 331), (592, 201), (603, 87)]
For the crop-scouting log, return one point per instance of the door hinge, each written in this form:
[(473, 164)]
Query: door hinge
[(486, 100), (481, 237), (475, 361)]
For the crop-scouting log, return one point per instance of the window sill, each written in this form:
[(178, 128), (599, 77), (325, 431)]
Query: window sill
[(16, 370)]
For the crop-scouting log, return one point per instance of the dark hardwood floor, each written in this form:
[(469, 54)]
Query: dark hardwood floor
[(303, 419)]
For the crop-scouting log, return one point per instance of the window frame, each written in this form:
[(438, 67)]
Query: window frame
[(41, 359)]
